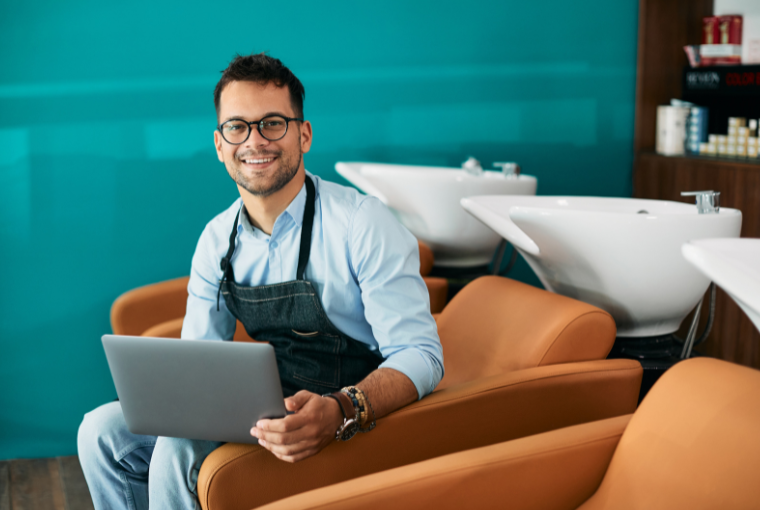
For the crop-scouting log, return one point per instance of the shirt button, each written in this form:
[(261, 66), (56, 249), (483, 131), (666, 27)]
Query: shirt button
[(273, 244)]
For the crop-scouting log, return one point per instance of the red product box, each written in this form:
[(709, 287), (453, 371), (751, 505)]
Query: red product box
[(722, 29), (730, 28), (710, 30)]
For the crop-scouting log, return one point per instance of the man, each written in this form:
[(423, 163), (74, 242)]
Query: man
[(323, 273)]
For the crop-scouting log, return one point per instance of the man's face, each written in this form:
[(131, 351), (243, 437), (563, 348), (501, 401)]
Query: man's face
[(258, 165)]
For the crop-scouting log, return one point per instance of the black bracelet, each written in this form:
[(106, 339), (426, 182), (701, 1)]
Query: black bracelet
[(339, 404)]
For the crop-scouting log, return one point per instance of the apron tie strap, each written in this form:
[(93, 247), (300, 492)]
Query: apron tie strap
[(225, 264)]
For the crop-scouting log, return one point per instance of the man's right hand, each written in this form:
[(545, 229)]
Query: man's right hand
[(310, 428)]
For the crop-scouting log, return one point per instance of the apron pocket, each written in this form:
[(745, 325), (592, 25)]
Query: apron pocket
[(301, 333), (315, 359)]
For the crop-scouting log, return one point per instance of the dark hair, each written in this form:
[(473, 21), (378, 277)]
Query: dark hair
[(263, 69)]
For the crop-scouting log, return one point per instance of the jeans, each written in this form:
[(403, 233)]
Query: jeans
[(116, 464)]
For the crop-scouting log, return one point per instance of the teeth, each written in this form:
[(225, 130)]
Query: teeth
[(257, 161)]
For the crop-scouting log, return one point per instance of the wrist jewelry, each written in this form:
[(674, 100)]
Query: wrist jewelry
[(362, 403), (350, 425), (358, 407)]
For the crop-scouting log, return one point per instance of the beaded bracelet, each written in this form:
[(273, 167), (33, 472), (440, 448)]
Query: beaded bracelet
[(358, 407), (361, 402)]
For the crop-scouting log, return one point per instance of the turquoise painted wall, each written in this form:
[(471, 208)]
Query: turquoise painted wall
[(108, 173)]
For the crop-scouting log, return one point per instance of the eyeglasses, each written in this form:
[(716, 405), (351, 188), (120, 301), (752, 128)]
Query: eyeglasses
[(272, 127)]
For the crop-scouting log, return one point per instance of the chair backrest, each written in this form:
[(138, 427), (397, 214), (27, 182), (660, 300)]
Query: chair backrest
[(495, 325), (426, 258), (144, 307), (693, 443)]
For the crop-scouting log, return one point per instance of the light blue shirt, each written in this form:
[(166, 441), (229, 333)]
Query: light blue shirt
[(363, 262)]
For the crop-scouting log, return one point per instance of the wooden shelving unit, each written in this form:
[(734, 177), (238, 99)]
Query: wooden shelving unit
[(665, 26)]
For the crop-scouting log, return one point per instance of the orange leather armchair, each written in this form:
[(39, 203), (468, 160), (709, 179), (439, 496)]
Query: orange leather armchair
[(158, 310), (693, 443), (519, 361)]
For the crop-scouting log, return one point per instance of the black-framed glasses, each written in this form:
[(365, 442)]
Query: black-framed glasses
[(271, 127)]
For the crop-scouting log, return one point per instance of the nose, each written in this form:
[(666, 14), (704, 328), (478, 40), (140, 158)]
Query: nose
[(255, 139)]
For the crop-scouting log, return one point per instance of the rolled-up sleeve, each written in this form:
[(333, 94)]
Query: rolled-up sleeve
[(202, 320), (385, 261)]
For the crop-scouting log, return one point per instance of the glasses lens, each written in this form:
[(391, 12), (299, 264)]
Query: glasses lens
[(273, 127), (235, 131)]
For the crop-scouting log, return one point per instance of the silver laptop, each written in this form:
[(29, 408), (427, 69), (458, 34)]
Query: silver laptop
[(194, 389)]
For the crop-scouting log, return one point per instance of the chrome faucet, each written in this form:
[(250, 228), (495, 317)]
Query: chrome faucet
[(708, 202), (472, 166), (509, 169)]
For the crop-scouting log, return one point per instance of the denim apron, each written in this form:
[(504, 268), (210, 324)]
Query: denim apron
[(312, 354)]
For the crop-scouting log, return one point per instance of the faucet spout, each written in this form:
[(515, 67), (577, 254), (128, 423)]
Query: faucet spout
[(509, 169), (472, 166), (708, 202)]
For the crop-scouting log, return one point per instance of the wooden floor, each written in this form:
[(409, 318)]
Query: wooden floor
[(43, 484)]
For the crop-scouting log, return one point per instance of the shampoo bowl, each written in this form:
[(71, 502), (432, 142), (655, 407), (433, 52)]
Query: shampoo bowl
[(734, 264), (426, 201), (622, 255)]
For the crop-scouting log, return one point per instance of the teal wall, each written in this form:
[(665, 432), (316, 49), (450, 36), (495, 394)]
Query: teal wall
[(108, 173)]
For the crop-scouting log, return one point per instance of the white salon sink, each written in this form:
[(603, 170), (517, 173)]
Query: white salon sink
[(622, 255), (734, 265), (426, 200)]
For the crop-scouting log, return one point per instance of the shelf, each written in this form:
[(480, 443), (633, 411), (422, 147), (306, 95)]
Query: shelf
[(716, 161)]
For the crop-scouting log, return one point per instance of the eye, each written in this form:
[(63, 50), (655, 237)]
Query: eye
[(232, 127)]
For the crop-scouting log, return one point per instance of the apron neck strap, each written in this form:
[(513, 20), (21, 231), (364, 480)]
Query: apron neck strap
[(303, 253), (306, 226)]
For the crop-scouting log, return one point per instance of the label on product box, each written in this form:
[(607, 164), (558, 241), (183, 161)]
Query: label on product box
[(720, 50), (723, 80)]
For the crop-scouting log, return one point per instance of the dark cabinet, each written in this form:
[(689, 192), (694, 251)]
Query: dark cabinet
[(665, 26)]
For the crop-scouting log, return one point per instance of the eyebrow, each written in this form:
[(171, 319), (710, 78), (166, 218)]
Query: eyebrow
[(242, 117)]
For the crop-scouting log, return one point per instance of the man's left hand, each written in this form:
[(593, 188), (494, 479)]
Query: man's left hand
[(304, 433)]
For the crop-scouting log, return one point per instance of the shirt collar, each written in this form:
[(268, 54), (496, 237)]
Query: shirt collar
[(297, 206), (295, 210)]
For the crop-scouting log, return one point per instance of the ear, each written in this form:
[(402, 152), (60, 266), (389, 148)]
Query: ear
[(218, 143), (305, 136)]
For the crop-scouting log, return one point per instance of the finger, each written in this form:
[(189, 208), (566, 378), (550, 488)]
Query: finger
[(292, 404), (280, 438), (295, 458), (298, 400), (295, 452), (288, 424)]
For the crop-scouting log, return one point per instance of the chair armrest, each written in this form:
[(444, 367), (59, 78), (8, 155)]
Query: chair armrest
[(438, 288), (168, 329), (458, 418), (559, 470), (139, 309)]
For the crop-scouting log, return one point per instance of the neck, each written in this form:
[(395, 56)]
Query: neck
[(264, 211)]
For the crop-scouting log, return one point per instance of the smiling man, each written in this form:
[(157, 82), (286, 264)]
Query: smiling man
[(324, 274)]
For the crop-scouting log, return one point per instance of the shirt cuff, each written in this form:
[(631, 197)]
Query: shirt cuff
[(417, 368)]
